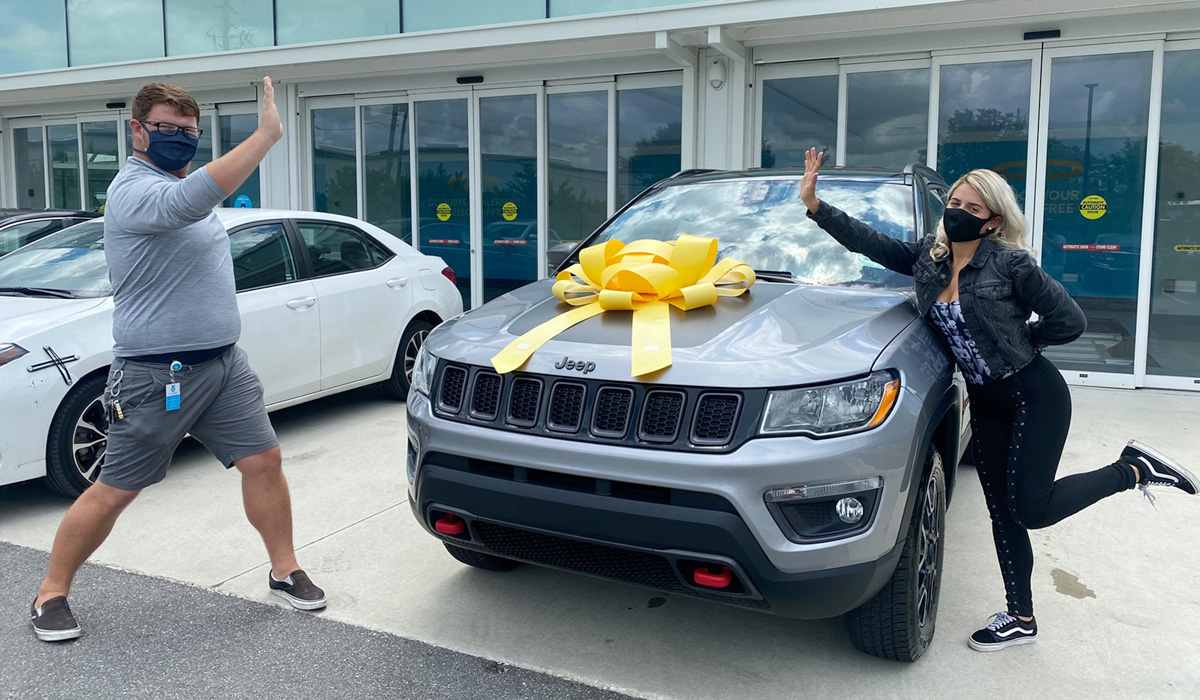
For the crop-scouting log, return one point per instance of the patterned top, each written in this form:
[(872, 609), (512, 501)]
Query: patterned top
[(948, 318)]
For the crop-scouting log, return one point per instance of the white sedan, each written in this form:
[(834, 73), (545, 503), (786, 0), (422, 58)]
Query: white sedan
[(328, 304)]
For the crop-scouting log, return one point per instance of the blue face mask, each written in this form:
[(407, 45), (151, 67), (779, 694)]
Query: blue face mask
[(171, 153)]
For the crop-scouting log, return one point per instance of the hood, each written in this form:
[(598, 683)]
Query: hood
[(776, 334), (23, 317)]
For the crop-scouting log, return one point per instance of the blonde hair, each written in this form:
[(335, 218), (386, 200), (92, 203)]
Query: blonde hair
[(1000, 199)]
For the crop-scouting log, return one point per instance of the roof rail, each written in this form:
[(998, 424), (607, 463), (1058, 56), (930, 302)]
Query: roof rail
[(692, 171)]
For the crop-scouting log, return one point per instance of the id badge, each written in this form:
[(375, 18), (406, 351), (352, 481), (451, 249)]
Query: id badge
[(173, 396)]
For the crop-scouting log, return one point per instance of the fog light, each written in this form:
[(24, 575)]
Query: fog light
[(850, 510)]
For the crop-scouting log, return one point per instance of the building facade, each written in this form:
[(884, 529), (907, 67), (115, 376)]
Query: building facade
[(495, 134)]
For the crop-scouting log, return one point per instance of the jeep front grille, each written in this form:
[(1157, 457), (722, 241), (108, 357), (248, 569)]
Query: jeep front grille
[(649, 415)]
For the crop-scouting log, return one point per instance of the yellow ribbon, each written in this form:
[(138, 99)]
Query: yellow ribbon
[(646, 277)]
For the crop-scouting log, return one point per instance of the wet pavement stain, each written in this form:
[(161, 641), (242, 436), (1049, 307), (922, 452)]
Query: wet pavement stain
[(1068, 584), (656, 602)]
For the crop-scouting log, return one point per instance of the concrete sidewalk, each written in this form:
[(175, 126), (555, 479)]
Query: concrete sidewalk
[(1115, 587)]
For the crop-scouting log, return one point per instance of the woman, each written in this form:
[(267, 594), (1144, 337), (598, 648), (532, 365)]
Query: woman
[(977, 283)]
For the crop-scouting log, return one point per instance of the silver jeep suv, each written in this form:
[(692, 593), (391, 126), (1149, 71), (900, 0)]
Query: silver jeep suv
[(795, 458)]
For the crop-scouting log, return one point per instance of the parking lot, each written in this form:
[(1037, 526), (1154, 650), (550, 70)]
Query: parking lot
[(1115, 587)]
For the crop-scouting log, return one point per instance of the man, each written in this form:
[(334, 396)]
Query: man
[(177, 368)]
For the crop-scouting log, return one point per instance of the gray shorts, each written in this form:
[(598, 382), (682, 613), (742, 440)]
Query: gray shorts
[(221, 405)]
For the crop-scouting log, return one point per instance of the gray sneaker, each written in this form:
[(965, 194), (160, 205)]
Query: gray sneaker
[(53, 621), (298, 590)]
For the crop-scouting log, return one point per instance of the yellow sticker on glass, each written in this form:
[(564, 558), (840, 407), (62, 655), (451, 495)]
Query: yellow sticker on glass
[(443, 211), (1093, 206)]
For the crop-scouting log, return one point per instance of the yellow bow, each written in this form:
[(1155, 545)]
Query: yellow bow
[(646, 277)]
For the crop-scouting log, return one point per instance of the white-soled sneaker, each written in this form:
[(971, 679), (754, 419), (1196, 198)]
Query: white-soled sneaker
[(1002, 631), (1156, 469), (299, 590)]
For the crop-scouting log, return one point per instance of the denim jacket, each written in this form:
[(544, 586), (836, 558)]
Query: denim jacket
[(998, 290)]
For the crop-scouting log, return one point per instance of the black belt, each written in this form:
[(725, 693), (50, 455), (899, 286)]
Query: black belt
[(189, 357)]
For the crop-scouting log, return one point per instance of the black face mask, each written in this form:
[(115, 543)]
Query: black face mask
[(962, 226)]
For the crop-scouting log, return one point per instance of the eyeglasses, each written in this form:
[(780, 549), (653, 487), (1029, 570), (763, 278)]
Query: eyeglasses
[(171, 129)]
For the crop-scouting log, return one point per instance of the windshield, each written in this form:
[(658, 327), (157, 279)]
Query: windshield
[(763, 223), (71, 260)]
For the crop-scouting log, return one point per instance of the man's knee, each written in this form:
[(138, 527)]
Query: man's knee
[(264, 462), (108, 497)]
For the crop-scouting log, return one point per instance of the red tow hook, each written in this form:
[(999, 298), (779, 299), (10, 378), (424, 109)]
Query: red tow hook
[(450, 525), (704, 576)]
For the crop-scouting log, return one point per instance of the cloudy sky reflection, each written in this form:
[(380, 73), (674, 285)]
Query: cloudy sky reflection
[(764, 224)]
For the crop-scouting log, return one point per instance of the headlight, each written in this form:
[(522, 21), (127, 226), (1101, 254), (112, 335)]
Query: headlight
[(835, 409), (10, 352), (422, 376)]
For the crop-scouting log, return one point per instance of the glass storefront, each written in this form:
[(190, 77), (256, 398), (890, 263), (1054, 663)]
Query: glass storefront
[(303, 21), (577, 174), (443, 182), (236, 128), (649, 141), (334, 169), (100, 160), (132, 30), (29, 157), (1095, 183), (1174, 342), (387, 174), (509, 185), (798, 114), (983, 120), (423, 15), (887, 118), (33, 36), (64, 166), (204, 26)]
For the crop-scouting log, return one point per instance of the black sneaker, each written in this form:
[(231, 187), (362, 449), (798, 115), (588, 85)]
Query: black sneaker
[(1003, 630), (298, 590), (1155, 469), (53, 622)]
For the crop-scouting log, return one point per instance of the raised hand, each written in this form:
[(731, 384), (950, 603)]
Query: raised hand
[(269, 123), (808, 184)]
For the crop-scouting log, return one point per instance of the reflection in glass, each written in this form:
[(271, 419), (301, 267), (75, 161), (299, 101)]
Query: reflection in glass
[(1099, 112), (649, 125), (100, 161), (71, 260), (205, 26), (798, 114), (301, 21), (30, 159), (444, 209), (762, 222), (421, 15), (114, 30), (983, 120), (335, 177), (887, 118), (64, 166), (261, 257), (565, 8), (1174, 347), (236, 128), (577, 148), (508, 148), (204, 149), (33, 36), (387, 178)]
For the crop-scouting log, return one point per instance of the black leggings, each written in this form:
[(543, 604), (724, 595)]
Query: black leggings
[(1020, 425)]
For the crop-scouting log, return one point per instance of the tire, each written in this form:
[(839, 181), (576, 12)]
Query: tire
[(411, 341), (480, 560), (77, 439), (899, 622)]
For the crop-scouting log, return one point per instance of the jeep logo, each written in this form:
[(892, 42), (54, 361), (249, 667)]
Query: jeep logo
[(577, 365)]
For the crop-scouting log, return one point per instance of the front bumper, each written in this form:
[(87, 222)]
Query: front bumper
[(652, 517)]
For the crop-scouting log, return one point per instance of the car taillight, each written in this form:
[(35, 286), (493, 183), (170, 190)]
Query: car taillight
[(449, 274)]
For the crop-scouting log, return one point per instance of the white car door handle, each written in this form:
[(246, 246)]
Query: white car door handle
[(302, 303), (397, 282)]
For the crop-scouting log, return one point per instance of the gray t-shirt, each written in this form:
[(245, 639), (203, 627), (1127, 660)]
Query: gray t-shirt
[(169, 263)]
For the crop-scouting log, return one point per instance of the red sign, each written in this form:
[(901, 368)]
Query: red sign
[(1073, 246), (510, 241), (445, 241)]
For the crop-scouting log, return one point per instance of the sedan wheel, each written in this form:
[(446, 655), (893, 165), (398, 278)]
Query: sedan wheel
[(78, 439), (406, 359)]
